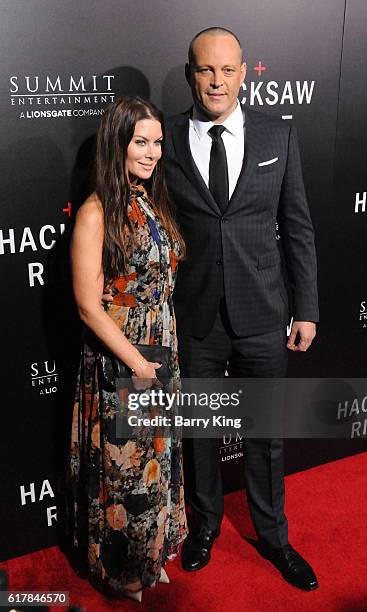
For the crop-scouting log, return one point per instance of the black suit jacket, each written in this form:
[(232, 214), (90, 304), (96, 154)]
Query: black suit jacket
[(265, 280)]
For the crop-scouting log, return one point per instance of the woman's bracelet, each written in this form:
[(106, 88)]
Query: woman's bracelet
[(140, 362)]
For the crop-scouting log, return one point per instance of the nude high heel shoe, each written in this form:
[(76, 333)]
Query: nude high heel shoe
[(134, 595), (133, 591), (164, 578)]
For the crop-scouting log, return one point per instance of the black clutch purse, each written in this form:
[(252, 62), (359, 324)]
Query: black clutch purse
[(112, 368)]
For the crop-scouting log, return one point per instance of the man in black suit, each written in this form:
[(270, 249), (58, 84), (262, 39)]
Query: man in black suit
[(233, 175)]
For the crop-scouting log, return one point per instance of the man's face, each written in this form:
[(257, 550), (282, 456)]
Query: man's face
[(216, 75)]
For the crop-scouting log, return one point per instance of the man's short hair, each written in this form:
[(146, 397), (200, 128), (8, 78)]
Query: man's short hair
[(214, 31)]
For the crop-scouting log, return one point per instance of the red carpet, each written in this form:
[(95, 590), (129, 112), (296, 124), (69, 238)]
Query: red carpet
[(327, 512)]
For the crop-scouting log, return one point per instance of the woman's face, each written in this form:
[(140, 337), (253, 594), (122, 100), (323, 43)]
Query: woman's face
[(145, 149)]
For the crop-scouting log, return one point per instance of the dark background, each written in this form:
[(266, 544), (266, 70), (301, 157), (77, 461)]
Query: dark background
[(44, 166)]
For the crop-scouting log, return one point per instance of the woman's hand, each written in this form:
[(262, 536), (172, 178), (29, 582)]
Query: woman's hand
[(144, 375)]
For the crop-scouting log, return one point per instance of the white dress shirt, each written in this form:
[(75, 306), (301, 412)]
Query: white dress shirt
[(233, 139)]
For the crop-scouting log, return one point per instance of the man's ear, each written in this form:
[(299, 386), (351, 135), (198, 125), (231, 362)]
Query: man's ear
[(188, 73), (243, 70)]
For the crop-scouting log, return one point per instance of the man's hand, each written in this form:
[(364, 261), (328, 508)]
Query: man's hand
[(107, 296), (306, 331)]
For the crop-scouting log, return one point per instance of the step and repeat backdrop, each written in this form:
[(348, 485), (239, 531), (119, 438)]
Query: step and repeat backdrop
[(62, 64)]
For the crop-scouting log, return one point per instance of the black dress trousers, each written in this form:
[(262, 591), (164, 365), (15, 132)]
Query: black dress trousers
[(264, 356)]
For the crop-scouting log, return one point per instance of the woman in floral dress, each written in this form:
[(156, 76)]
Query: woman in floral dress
[(127, 494)]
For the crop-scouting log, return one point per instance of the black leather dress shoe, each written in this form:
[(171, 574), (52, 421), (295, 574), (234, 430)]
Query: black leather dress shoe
[(291, 565), (195, 552)]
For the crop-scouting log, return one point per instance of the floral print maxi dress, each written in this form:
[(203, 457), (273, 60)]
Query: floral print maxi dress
[(127, 494)]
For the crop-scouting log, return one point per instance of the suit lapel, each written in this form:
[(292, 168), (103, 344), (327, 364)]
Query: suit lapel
[(255, 141), (180, 139)]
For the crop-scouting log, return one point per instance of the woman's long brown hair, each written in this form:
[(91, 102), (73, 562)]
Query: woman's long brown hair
[(113, 186)]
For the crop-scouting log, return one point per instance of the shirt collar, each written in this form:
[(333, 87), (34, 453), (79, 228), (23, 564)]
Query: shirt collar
[(233, 123)]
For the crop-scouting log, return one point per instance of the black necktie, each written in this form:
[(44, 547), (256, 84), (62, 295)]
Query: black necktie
[(218, 169)]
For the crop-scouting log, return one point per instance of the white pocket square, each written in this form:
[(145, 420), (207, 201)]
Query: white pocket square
[(270, 161)]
